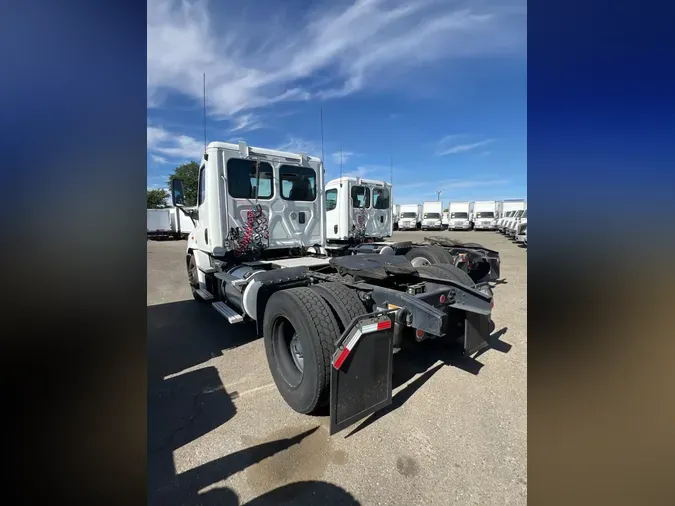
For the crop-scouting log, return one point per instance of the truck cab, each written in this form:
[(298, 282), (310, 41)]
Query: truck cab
[(409, 216), (358, 209), (432, 216), (460, 216)]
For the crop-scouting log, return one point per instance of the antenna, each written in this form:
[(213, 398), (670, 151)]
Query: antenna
[(323, 161), (204, 112), (391, 170), (340, 165)]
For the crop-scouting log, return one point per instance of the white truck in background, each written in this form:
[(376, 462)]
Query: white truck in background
[(432, 216), (445, 220), (396, 211), (509, 209), (169, 223), (410, 216), (485, 213), (460, 216), (358, 208)]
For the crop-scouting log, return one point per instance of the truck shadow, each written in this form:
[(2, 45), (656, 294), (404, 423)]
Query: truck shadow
[(187, 400), (422, 358)]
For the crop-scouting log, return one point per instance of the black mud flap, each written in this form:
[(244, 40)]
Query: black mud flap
[(495, 267), (361, 383), (476, 333)]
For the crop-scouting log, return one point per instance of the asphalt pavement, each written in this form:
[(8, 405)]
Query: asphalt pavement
[(220, 433)]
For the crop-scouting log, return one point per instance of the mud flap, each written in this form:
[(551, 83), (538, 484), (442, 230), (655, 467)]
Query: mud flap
[(476, 333), (495, 267), (361, 383)]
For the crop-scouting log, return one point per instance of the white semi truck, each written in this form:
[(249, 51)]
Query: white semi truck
[(485, 214), (331, 316), (509, 210), (410, 217), (460, 216), (358, 208), (432, 216), (396, 213)]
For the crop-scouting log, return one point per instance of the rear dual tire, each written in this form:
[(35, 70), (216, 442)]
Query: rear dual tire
[(307, 321)]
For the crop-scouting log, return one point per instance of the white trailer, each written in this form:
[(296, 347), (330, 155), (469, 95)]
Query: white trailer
[(260, 253), (485, 214), (411, 215), (445, 219), (159, 221), (358, 208), (432, 215), (460, 216)]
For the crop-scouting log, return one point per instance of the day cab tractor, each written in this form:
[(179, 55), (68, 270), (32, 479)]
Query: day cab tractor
[(331, 315)]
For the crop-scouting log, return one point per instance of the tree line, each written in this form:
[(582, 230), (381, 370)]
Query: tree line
[(189, 173)]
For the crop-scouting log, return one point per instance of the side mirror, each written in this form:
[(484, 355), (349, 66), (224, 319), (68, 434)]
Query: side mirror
[(177, 193)]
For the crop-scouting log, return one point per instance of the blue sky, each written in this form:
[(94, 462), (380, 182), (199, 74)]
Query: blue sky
[(439, 85)]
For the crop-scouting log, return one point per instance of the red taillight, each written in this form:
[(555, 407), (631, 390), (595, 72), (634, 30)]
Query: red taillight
[(442, 299), (343, 356), (386, 324), (419, 333)]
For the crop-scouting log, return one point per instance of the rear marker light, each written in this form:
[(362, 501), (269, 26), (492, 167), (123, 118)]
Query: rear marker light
[(419, 333), (351, 341), (442, 299)]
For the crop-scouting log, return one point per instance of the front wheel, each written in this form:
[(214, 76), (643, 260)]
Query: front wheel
[(193, 278)]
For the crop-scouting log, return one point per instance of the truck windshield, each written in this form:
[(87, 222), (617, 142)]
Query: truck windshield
[(380, 198), (488, 214), (459, 215), (432, 216), (408, 215)]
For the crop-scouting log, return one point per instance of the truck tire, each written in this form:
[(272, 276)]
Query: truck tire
[(299, 331), (447, 271), (428, 255), (344, 301), (193, 280)]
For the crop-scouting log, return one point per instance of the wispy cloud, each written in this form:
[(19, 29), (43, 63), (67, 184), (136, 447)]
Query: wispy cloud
[(450, 145), (342, 156), (356, 46), (299, 145), (449, 184), (246, 123), (159, 159), (168, 146)]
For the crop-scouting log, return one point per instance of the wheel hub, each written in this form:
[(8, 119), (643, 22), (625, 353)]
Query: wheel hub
[(296, 352), (419, 262)]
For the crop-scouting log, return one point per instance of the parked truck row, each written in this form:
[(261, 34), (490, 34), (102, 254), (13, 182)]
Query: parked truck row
[(459, 215), (169, 223)]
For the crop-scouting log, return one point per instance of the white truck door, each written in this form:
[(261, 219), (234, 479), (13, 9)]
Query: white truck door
[(200, 233), (333, 228)]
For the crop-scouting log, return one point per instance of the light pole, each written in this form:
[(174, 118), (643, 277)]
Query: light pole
[(438, 195)]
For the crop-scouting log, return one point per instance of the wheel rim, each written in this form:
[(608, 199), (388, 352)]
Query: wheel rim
[(419, 262), (288, 351), (192, 275)]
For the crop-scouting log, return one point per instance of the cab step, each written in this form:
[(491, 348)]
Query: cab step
[(204, 294), (229, 313)]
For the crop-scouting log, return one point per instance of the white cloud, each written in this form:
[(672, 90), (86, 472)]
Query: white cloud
[(168, 146), (159, 159), (298, 145), (448, 145), (246, 123), (368, 42), (342, 156)]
